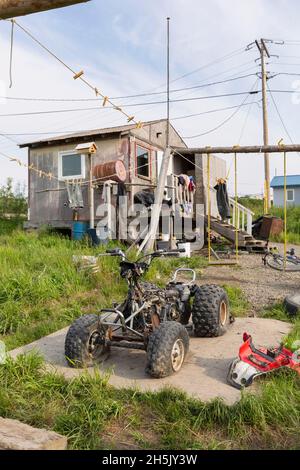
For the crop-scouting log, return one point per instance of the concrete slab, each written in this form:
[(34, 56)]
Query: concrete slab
[(203, 375)]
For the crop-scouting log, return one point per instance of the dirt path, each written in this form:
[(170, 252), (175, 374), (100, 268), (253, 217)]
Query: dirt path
[(261, 285)]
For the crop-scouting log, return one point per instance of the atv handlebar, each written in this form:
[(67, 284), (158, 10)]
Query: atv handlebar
[(155, 254)]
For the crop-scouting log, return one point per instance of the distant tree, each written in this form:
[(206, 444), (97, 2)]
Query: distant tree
[(12, 200)]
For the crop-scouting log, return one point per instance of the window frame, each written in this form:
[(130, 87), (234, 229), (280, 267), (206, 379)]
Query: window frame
[(60, 165), (149, 150), (293, 192)]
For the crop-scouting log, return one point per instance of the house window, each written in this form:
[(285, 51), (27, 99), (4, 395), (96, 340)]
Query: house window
[(143, 162), (290, 195), (71, 165)]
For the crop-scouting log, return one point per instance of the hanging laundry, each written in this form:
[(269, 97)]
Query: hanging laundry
[(75, 195), (181, 180), (192, 185), (106, 188), (223, 200), (184, 180)]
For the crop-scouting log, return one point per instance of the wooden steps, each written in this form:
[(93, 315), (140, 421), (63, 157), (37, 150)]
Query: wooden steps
[(228, 231)]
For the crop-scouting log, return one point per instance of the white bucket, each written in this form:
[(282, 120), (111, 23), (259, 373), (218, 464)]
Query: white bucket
[(187, 248)]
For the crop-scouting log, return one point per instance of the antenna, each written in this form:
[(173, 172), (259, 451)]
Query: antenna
[(168, 83)]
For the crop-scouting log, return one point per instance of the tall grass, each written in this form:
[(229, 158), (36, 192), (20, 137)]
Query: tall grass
[(94, 415), (41, 290), (239, 305)]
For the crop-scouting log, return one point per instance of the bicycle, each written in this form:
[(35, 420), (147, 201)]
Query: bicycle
[(277, 261)]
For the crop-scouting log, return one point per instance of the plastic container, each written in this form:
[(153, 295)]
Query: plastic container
[(187, 248), (79, 230)]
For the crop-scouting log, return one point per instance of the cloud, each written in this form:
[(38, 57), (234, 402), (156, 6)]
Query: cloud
[(122, 50)]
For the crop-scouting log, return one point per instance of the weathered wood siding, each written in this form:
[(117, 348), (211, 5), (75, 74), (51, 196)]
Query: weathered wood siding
[(48, 200)]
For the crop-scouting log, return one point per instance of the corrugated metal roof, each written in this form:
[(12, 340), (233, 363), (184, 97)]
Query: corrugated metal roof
[(291, 180), (94, 132)]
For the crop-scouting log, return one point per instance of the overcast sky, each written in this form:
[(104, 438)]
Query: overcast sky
[(121, 47)]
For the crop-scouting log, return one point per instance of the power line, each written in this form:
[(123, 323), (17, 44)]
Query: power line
[(63, 100), (98, 93), (220, 59), (216, 75), (216, 61), (7, 137), (280, 117), (246, 119), (79, 76), (128, 105), (285, 73), (172, 119), (221, 124)]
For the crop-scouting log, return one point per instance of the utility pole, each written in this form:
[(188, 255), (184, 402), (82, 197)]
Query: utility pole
[(264, 51), (149, 240), (13, 8)]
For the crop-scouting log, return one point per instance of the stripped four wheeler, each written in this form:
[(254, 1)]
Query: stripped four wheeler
[(150, 318)]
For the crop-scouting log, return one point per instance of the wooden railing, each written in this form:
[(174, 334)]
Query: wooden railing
[(242, 217)]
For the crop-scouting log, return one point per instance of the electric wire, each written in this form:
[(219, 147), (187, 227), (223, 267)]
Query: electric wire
[(71, 100), (71, 110), (223, 122)]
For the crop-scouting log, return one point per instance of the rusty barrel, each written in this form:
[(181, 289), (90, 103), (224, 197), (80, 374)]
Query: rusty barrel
[(114, 170)]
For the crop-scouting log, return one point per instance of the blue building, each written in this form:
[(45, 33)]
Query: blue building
[(293, 190)]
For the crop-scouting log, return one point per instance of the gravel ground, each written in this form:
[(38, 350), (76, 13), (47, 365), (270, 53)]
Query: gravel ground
[(261, 285)]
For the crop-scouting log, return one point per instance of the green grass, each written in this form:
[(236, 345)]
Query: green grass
[(278, 312), (239, 305), (41, 291), (94, 415), (293, 218), (9, 226)]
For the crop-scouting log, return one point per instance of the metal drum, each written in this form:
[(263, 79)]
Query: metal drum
[(114, 170), (79, 230)]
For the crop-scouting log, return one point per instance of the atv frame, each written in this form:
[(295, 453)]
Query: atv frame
[(126, 340), (150, 318)]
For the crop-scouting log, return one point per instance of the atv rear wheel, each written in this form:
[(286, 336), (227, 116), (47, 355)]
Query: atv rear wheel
[(167, 349), (85, 342), (210, 312)]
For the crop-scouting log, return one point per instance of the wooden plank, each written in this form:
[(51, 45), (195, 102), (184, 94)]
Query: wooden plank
[(243, 149), (13, 8)]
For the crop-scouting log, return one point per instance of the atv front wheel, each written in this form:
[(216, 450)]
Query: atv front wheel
[(167, 349), (85, 342), (210, 312)]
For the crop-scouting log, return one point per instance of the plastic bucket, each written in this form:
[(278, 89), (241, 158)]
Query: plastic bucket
[(79, 230)]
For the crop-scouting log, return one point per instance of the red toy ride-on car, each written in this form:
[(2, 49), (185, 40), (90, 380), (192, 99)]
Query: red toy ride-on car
[(253, 362)]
